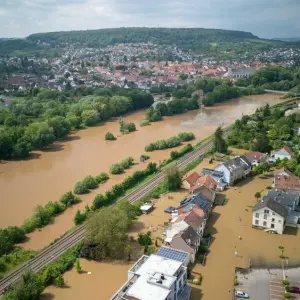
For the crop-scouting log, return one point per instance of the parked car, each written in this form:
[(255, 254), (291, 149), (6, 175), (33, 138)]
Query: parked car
[(240, 294), (294, 290), (169, 209)]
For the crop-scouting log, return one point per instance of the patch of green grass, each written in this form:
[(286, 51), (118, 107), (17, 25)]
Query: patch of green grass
[(225, 201)]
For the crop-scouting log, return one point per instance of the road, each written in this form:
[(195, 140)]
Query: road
[(70, 239)]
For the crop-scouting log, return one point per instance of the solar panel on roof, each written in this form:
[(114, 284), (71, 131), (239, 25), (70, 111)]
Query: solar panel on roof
[(172, 254)]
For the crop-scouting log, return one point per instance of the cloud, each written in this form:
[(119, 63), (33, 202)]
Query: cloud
[(265, 18)]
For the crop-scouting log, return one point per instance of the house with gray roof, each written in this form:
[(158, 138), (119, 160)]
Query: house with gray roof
[(234, 169), (269, 215)]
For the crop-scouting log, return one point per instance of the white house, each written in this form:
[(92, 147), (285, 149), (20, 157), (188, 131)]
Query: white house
[(155, 277), (234, 169), (269, 215), (284, 152)]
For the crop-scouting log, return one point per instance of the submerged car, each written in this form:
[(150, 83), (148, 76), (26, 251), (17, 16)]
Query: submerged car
[(169, 209), (240, 294), (294, 290)]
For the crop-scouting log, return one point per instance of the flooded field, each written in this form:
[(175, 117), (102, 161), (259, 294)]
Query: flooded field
[(224, 224), (48, 174)]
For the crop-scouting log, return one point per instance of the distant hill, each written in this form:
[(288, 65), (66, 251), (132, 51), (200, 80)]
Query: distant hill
[(213, 42), (293, 39)]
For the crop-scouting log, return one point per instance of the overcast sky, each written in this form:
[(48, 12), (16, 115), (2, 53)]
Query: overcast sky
[(264, 18)]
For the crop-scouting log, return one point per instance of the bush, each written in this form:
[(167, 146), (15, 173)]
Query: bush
[(102, 177), (285, 282), (80, 188), (287, 295), (120, 167), (68, 199), (144, 157), (126, 127), (145, 123), (90, 182), (127, 162), (145, 239), (186, 136), (110, 137), (116, 169)]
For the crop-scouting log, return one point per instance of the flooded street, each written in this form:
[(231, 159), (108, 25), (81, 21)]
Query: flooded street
[(48, 174)]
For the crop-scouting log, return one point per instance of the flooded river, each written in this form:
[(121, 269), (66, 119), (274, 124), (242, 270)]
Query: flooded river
[(48, 174)]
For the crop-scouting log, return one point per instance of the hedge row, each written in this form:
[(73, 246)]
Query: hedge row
[(171, 142), (119, 168), (115, 192), (43, 215), (89, 183)]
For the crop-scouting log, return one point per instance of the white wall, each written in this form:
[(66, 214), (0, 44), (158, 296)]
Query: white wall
[(226, 173), (278, 156), (270, 218)]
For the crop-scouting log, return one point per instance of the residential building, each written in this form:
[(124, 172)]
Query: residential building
[(288, 199), (234, 169), (218, 176), (206, 181), (199, 201), (256, 158), (240, 72), (269, 215), (205, 191), (284, 152), (190, 180), (286, 180), (155, 277), (187, 240), (195, 218), (173, 229), (174, 254)]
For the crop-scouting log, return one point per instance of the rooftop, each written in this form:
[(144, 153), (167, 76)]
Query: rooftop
[(173, 254), (284, 179), (271, 204)]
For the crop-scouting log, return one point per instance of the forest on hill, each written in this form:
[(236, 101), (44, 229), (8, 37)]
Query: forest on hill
[(199, 40)]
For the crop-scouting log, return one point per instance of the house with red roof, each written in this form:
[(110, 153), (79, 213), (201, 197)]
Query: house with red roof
[(190, 180)]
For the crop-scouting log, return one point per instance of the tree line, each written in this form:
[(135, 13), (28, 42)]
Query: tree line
[(274, 78), (35, 121)]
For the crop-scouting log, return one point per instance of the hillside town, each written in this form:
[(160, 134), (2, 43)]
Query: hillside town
[(142, 65)]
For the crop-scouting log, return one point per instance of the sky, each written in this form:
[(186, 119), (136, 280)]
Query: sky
[(264, 18)]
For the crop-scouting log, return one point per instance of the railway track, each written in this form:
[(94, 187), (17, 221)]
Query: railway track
[(70, 239)]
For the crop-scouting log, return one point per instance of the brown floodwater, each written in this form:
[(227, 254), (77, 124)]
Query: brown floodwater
[(224, 224), (48, 174)]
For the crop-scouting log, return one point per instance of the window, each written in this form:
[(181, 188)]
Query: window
[(265, 224), (257, 215), (272, 226), (279, 221), (273, 219), (265, 217), (256, 222), (273, 214), (266, 211)]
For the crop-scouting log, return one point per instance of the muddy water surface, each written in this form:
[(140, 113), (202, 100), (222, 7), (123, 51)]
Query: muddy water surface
[(48, 174)]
